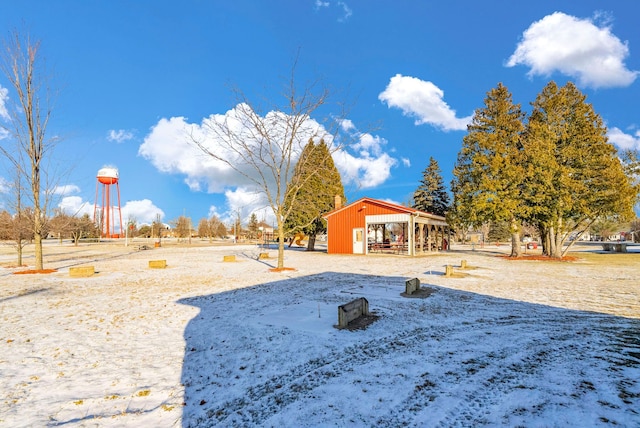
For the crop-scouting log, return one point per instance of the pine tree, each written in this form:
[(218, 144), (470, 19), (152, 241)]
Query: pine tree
[(253, 226), (574, 176), (431, 196), (488, 175), (318, 182)]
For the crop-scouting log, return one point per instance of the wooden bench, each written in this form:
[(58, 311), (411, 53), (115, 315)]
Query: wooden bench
[(388, 247)]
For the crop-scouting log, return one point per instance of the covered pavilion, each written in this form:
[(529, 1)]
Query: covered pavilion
[(374, 226)]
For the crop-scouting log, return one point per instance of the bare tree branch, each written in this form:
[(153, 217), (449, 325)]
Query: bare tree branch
[(263, 147)]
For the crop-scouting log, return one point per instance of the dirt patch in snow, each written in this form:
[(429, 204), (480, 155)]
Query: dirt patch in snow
[(35, 271)]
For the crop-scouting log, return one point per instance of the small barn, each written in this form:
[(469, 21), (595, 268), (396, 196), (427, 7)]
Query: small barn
[(369, 226)]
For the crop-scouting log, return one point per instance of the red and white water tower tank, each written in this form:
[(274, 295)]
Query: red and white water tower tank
[(104, 213)]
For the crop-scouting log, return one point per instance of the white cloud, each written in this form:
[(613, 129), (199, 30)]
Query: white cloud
[(75, 206), (366, 172), (406, 162), (4, 186), (624, 141), (244, 202), (344, 9), (119, 136), (347, 12), (4, 96), (370, 167), (66, 189), (143, 212), (424, 101), (347, 125), (168, 148), (369, 145), (575, 47)]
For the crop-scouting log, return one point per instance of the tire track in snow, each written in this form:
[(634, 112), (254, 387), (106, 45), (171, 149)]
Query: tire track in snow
[(476, 398), (261, 401), (264, 400), (461, 397), (471, 394)]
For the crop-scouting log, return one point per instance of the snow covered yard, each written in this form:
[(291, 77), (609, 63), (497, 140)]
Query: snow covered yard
[(208, 343)]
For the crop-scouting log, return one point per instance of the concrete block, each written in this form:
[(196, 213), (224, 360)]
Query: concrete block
[(448, 270), (81, 271), (157, 264), (352, 311), (412, 285)]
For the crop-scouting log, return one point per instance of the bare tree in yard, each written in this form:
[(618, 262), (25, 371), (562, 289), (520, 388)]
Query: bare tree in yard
[(73, 226), (204, 231), (26, 146), (182, 227), (264, 146), (17, 229), (157, 227)]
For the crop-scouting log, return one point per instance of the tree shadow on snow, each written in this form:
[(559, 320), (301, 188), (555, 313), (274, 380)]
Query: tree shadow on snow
[(270, 355)]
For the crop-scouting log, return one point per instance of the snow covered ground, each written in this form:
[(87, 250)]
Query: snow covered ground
[(211, 343)]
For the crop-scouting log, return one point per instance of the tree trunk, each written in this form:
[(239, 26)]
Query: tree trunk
[(555, 240), (516, 250), (544, 238), (20, 246), (280, 243), (558, 245), (546, 243), (552, 242), (38, 238), (577, 237), (311, 243)]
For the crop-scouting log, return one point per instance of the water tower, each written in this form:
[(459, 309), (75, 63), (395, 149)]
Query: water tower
[(104, 213)]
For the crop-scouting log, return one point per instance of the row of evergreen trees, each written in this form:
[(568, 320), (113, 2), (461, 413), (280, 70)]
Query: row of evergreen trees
[(552, 169)]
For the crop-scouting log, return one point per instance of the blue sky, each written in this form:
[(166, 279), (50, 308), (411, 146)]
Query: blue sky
[(132, 75)]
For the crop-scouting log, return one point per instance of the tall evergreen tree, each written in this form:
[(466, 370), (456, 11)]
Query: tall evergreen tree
[(318, 182), (574, 176), (253, 226), (431, 195), (488, 175)]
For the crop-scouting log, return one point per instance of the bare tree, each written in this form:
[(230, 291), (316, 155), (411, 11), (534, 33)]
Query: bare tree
[(19, 231), (204, 230), (29, 113), (264, 146), (74, 226), (182, 227)]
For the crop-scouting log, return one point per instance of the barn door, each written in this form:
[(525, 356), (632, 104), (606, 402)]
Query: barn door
[(358, 241)]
